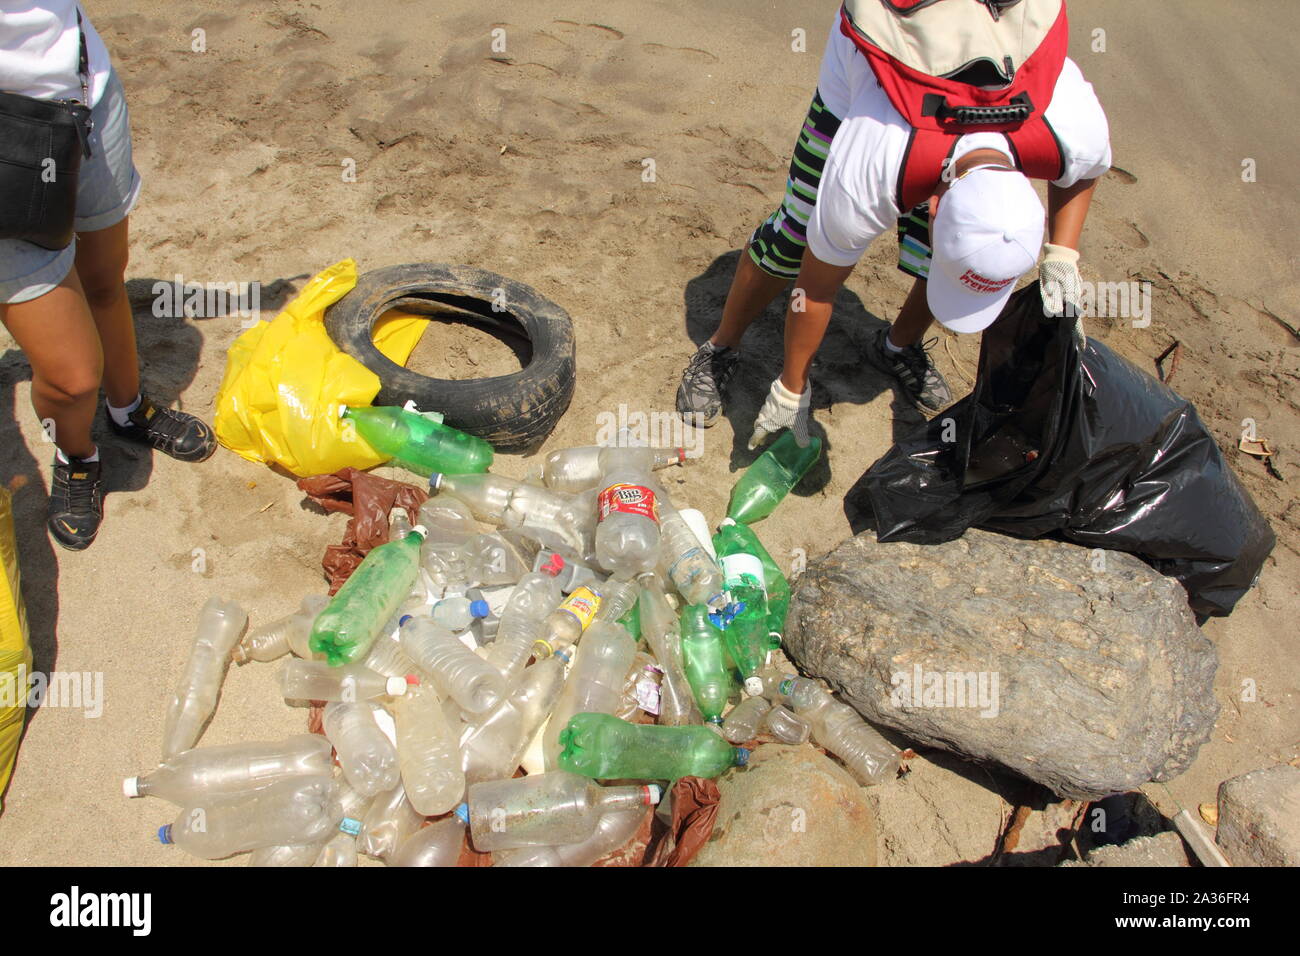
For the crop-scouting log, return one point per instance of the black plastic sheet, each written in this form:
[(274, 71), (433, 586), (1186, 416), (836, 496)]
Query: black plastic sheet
[(1079, 444)]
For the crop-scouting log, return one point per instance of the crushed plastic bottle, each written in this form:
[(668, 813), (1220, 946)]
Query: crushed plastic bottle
[(427, 753), (744, 719), (191, 775), (293, 811), (508, 503), (605, 748), (418, 443), (367, 756), (660, 628), (388, 822), (287, 635), (493, 745), (769, 479), (614, 830), (786, 726), (456, 671), (534, 598), (595, 681), (438, 844), (220, 625), (572, 470), (837, 727)]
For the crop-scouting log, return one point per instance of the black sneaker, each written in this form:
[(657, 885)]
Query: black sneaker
[(912, 367), (699, 398), (178, 434), (76, 503)]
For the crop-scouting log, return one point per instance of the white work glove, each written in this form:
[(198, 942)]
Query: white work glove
[(783, 409), (1061, 287)]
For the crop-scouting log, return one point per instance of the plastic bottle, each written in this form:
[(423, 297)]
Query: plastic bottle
[(744, 633), (743, 721), (535, 596), (508, 503), (627, 529), (457, 672), (696, 576), (494, 561), (457, 613), (786, 726), (739, 549), (838, 727), (660, 628), (484, 629), (419, 444), (565, 625), (220, 625), (316, 680), (290, 855), (545, 810), (703, 662), (640, 688), (427, 753), (606, 748), (192, 775), (614, 830), (283, 636), (571, 470), (367, 756), (388, 822), (294, 811), (769, 479), (447, 520), (617, 598), (386, 655), (492, 746), (347, 628), (438, 844), (569, 572), (595, 681), (349, 810)]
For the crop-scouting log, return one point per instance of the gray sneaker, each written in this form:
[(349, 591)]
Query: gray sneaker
[(914, 370), (699, 398)]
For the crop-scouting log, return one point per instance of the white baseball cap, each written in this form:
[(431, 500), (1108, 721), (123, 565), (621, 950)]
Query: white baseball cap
[(986, 235)]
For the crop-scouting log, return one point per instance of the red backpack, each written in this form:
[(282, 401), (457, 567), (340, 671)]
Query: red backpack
[(952, 67)]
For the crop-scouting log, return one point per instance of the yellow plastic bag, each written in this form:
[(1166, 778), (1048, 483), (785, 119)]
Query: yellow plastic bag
[(285, 380), (15, 653)]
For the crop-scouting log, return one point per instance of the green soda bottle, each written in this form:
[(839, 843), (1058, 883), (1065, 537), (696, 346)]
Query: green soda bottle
[(769, 479), (742, 556), (744, 633), (631, 621), (419, 443), (704, 660), (369, 598), (605, 747)]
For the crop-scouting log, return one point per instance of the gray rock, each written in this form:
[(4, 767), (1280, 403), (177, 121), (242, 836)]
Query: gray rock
[(1088, 676), (1163, 849), (1259, 817), (791, 806)]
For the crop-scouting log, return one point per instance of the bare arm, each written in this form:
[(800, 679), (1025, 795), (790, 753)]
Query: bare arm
[(1067, 208), (804, 330)]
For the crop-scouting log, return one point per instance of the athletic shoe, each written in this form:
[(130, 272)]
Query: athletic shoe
[(699, 398), (174, 433), (914, 370), (76, 504)]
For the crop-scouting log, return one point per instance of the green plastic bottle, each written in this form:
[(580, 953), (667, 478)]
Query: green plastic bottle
[(742, 556), (769, 479), (419, 443), (369, 598), (631, 621), (704, 660), (605, 747), (744, 633)]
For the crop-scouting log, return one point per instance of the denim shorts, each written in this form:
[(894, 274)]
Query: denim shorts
[(107, 188)]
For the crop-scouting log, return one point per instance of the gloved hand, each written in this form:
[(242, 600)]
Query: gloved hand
[(1061, 286), (783, 409)]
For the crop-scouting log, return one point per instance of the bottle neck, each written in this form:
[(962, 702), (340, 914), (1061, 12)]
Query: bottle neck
[(624, 798)]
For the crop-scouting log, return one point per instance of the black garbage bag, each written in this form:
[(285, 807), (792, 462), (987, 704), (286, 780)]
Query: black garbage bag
[(1084, 445)]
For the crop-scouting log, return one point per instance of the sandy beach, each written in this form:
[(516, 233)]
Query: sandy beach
[(531, 162)]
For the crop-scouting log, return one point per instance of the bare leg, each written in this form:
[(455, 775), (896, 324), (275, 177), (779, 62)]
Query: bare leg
[(752, 290), (914, 318), (59, 338), (101, 266)]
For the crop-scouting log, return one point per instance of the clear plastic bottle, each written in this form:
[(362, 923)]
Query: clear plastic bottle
[(457, 613), (367, 756), (427, 753), (786, 726), (220, 625), (544, 810), (286, 635), (841, 730), (569, 571), (494, 561), (447, 520), (627, 529), (703, 661), (294, 811), (346, 629), (659, 627), (617, 598), (438, 844), (595, 682), (388, 821), (534, 598), (696, 576), (191, 775), (572, 470), (456, 671), (492, 746), (606, 748), (508, 503), (290, 855), (316, 680), (563, 627), (615, 829), (386, 655), (350, 808), (743, 721)]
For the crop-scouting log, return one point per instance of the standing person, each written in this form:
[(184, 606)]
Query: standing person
[(67, 307), (969, 222)]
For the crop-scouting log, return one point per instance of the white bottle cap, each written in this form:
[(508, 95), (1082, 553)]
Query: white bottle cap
[(653, 793), (131, 786), (754, 686), (396, 686)]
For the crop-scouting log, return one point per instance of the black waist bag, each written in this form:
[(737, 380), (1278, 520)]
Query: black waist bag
[(42, 143)]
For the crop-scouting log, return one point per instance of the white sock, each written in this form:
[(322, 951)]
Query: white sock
[(891, 346), (120, 414), (63, 459)]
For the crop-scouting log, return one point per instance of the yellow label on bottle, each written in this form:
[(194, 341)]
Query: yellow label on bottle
[(582, 604)]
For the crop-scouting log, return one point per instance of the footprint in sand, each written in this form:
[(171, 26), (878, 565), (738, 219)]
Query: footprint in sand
[(1129, 234), (1122, 175), (696, 55)]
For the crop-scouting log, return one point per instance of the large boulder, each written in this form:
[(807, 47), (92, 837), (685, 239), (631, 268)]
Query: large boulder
[(1082, 670), (1259, 817), (790, 806)]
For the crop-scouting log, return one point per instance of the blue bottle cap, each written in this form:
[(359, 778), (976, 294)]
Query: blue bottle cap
[(435, 481), (165, 834), (479, 608), (742, 756), (462, 811), (403, 619)]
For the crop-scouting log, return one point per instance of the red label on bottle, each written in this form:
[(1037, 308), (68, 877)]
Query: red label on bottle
[(629, 499)]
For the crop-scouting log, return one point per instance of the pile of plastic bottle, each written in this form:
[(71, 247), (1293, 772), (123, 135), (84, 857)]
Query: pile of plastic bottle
[(577, 624)]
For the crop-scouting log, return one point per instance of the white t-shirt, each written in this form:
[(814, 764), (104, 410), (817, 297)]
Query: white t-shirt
[(40, 50), (856, 197)]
